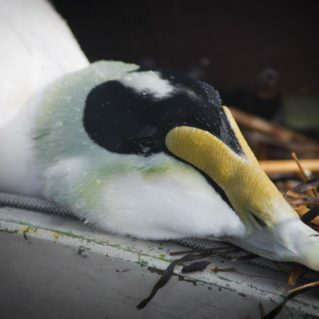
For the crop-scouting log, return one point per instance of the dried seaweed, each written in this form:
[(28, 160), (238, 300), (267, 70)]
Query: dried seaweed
[(196, 266), (296, 274), (167, 274), (311, 191), (310, 215), (160, 283), (304, 201), (302, 187), (302, 197), (291, 294)]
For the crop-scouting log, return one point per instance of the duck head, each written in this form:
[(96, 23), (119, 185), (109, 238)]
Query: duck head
[(153, 154), (273, 229)]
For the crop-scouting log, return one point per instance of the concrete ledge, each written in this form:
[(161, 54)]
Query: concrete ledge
[(54, 267)]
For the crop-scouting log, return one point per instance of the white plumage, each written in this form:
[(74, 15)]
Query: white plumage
[(46, 151), (148, 82), (37, 48), (118, 193)]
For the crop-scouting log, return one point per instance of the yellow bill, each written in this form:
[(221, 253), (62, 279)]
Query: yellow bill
[(274, 229)]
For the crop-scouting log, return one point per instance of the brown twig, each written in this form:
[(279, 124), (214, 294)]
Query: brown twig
[(257, 124), (288, 166), (291, 293), (295, 274), (303, 174)]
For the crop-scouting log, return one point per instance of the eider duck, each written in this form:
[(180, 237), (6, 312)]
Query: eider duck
[(150, 154)]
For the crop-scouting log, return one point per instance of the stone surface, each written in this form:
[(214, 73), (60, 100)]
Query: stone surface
[(53, 267)]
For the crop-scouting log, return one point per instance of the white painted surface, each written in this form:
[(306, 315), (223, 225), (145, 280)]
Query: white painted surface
[(44, 276)]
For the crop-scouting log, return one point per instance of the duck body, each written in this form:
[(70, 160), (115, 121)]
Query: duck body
[(145, 153), (133, 186)]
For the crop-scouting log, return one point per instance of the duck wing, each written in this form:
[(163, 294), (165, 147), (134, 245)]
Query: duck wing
[(37, 47)]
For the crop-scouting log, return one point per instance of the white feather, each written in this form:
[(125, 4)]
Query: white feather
[(148, 82), (37, 48), (173, 202)]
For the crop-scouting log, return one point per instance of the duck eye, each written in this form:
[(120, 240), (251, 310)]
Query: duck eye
[(258, 220)]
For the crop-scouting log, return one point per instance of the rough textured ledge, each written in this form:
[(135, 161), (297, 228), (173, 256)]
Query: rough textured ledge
[(55, 267)]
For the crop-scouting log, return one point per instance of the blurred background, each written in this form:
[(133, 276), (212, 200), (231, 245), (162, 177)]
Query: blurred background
[(262, 56)]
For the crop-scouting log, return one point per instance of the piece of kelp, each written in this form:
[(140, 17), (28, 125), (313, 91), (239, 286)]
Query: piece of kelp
[(310, 215), (196, 266), (297, 272), (167, 274), (291, 293)]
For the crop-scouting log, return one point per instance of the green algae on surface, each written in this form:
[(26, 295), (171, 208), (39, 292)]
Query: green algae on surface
[(107, 243)]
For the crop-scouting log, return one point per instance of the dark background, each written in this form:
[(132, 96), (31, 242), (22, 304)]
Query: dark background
[(230, 44), (226, 43)]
